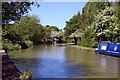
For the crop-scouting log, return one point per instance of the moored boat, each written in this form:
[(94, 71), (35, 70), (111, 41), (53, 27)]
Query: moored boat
[(108, 48)]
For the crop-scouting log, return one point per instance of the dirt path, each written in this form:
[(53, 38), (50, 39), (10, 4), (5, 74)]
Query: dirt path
[(9, 70)]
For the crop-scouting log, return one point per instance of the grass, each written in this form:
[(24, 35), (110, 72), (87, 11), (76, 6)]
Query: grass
[(81, 47)]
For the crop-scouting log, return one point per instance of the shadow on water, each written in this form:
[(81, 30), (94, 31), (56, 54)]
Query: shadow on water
[(64, 62)]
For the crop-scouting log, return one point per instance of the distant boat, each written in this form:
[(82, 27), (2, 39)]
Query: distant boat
[(108, 48)]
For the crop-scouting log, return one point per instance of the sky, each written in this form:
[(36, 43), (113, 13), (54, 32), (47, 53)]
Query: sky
[(56, 13)]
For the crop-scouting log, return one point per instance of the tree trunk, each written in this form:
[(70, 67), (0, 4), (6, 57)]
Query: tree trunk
[(75, 39)]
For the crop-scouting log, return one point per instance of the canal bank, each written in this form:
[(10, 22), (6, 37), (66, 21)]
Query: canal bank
[(9, 70), (81, 47)]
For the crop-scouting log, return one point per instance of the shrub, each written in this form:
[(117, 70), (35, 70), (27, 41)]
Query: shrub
[(29, 43), (26, 75), (88, 39), (17, 47), (12, 47)]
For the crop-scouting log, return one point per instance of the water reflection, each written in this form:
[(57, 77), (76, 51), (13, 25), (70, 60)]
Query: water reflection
[(64, 62), (106, 63)]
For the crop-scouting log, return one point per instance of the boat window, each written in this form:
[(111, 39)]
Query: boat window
[(115, 48), (103, 47)]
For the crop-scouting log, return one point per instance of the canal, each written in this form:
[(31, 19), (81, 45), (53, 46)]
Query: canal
[(64, 62)]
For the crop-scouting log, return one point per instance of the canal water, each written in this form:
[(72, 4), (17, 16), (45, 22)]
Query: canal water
[(64, 62)]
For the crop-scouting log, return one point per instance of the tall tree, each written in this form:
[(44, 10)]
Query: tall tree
[(72, 25), (106, 25), (22, 30), (89, 11)]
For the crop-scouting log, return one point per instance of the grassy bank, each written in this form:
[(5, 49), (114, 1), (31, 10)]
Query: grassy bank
[(17, 46), (81, 47)]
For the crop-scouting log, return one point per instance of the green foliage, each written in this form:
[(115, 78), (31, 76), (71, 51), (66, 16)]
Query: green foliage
[(89, 11), (29, 43), (99, 21), (88, 39), (83, 21), (106, 25), (26, 75), (12, 11), (38, 34), (12, 47), (28, 29), (47, 32), (72, 25), (51, 32), (22, 30), (17, 47), (54, 28)]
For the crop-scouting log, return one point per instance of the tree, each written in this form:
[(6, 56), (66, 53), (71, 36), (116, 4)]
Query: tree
[(57, 35), (25, 29), (38, 34), (89, 11), (48, 30), (76, 35), (72, 25), (106, 25), (12, 11), (54, 28)]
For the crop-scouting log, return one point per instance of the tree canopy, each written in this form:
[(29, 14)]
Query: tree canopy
[(21, 30), (12, 11), (106, 25), (98, 21), (72, 25)]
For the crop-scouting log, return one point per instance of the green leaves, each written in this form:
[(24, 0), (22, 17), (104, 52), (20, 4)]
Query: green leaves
[(107, 25), (22, 30), (72, 25), (12, 11)]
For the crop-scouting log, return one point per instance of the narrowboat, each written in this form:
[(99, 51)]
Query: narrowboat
[(108, 48)]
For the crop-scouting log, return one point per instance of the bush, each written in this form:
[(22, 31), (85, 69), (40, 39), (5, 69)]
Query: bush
[(17, 47), (29, 43), (12, 47), (88, 39), (26, 75)]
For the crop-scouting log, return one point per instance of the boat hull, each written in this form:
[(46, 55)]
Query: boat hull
[(107, 48)]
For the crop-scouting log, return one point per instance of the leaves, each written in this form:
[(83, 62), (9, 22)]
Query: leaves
[(106, 24), (22, 30), (12, 11), (72, 25)]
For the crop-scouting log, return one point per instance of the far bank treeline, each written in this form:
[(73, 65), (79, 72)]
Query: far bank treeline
[(99, 21), (26, 32)]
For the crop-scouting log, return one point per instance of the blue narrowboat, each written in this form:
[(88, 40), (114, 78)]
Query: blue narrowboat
[(108, 48)]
